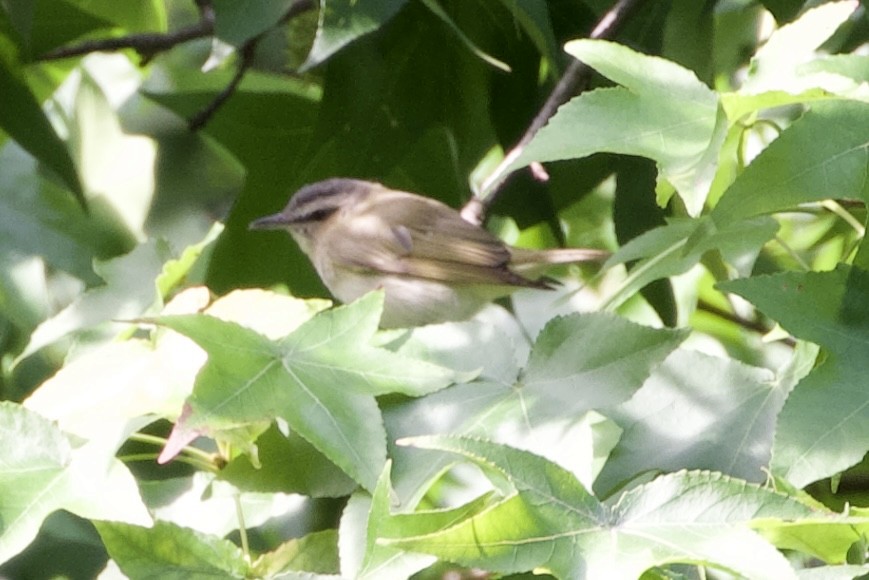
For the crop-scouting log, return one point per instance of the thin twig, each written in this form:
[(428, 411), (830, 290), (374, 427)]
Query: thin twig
[(247, 52), (753, 325), (576, 74), (146, 44)]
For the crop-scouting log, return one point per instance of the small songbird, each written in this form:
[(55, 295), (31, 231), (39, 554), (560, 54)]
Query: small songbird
[(432, 265)]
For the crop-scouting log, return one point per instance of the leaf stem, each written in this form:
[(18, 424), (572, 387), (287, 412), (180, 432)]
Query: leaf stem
[(196, 457), (242, 528)]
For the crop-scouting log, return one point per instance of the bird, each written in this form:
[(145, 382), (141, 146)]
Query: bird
[(432, 265)]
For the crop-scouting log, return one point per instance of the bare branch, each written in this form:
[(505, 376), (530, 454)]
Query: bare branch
[(247, 52), (146, 44), (575, 76), (199, 120)]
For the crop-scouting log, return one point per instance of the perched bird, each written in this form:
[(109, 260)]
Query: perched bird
[(432, 265)]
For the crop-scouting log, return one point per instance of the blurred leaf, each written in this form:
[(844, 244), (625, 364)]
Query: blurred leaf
[(821, 156), (689, 35), (677, 247), (440, 13), (343, 21), (22, 117), (321, 379), (578, 364), (783, 10), (546, 521), (115, 167), (854, 66), (46, 24), (45, 470), (237, 21), (128, 293), (822, 539), (141, 16), (823, 426), (774, 66), (209, 506), (533, 16), (662, 112), (172, 552), (41, 219), (720, 415)]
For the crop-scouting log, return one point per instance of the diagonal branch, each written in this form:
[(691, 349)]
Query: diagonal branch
[(146, 44), (573, 80)]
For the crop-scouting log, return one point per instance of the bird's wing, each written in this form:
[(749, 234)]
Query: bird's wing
[(404, 234)]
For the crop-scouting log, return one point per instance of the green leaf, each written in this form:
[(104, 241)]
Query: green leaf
[(237, 21), (736, 439), (440, 13), (171, 552), (204, 503), (774, 66), (45, 470), (547, 522), (321, 379), (680, 245), (824, 426), (39, 218), (316, 552), (365, 519), (118, 387), (343, 21), (309, 472), (826, 539), (21, 116), (661, 112), (579, 363), (128, 293), (821, 156)]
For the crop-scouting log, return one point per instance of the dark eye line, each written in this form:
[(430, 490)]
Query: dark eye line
[(316, 215)]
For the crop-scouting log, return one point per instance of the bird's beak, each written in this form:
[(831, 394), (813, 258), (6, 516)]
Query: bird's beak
[(269, 222)]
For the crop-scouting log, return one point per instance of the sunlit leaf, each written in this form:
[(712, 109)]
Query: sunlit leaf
[(579, 363), (547, 521), (824, 426), (774, 66), (821, 156), (661, 111), (43, 470), (170, 551), (701, 412), (23, 119), (321, 379)]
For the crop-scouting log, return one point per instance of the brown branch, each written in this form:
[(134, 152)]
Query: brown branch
[(146, 44), (247, 52), (573, 80), (752, 325), (199, 120)]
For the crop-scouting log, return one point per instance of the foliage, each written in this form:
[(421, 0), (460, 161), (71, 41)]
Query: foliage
[(697, 403)]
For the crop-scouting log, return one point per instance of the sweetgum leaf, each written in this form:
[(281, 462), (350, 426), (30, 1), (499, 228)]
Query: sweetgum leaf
[(549, 522), (831, 405), (579, 363), (820, 156), (718, 414), (661, 111), (321, 379), (44, 470), (170, 551)]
